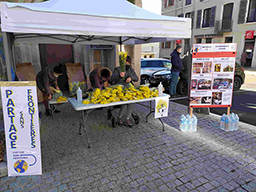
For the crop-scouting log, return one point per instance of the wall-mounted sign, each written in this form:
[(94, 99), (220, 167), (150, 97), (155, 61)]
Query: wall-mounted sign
[(249, 34), (21, 122), (178, 41), (101, 46)]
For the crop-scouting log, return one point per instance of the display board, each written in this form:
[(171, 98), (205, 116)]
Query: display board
[(212, 75), (21, 122)]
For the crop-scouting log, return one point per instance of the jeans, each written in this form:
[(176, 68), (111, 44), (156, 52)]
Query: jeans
[(173, 83)]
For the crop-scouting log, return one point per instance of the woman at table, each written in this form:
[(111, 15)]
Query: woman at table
[(124, 78), (99, 76), (46, 81)]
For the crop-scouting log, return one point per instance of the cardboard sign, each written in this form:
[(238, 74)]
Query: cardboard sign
[(21, 121), (161, 106), (212, 75)]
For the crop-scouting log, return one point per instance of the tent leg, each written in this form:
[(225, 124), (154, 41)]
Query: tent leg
[(7, 54)]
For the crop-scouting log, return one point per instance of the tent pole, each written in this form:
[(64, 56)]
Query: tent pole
[(189, 73), (7, 54)]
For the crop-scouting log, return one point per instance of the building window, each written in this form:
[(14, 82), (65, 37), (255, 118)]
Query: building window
[(199, 40), (206, 18), (208, 40), (188, 2), (170, 2), (242, 11), (252, 11), (209, 17), (227, 17), (190, 15), (228, 39)]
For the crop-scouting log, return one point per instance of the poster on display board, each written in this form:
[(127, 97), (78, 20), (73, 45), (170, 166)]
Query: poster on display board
[(161, 106), (212, 75), (21, 122)]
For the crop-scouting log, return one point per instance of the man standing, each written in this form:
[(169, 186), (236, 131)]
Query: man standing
[(175, 71)]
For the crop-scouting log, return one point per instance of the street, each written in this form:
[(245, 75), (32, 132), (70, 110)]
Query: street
[(244, 103)]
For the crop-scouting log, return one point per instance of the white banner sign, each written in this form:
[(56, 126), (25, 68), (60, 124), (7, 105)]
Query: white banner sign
[(21, 121), (161, 106)]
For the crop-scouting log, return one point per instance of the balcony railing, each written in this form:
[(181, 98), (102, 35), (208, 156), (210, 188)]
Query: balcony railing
[(224, 25)]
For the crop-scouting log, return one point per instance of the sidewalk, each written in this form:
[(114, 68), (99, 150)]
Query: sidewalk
[(142, 158)]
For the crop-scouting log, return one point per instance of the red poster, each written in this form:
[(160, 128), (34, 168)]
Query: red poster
[(249, 34), (212, 75)]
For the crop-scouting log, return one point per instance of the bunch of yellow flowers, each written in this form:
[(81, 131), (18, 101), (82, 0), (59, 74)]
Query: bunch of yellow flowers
[(119, 93), (61, 98)]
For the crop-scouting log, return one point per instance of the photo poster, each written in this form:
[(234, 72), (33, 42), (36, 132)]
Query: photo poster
[(21, 122), (161, 106), (212, 75)]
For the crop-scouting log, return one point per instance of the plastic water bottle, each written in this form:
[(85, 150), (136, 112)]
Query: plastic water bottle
[(227, 123), (194, 122), (236, 121), (160, 89), (190, 124), (79, 94), (222, 122), (182, 122), (232, 122)]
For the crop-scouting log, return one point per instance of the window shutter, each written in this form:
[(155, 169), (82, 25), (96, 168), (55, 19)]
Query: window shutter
[(212, 20), (242, 11), (162, 45), (165, 3), (198, 22), (169, 44), (192, 19)]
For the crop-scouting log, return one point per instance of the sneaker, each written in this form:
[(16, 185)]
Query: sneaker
[(120, 122), (128, 123), (47, 112)]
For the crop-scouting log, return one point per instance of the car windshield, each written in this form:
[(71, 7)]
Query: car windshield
[(167, 64)]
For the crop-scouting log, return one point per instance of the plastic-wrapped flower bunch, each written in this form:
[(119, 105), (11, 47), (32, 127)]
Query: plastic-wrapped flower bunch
[(119, 93), (74, 86)]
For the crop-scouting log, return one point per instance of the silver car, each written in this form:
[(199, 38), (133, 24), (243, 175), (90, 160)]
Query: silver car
[(151, 65)]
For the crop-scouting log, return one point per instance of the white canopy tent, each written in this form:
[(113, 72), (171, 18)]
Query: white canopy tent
[(88, 22)]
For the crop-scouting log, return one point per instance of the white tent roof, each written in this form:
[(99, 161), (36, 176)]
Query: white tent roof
[(92, 22)]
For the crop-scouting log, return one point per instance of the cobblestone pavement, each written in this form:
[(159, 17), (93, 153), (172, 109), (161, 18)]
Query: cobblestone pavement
[(141, 158)]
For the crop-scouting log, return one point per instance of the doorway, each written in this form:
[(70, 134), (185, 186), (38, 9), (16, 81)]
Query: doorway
[(54, 54)]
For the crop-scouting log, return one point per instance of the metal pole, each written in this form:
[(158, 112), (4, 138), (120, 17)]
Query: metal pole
[(8, 59)]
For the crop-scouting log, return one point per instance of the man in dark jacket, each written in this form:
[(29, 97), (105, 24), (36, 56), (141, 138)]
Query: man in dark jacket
[(99, 76), (125, 78), (46, 81), (175, 71)]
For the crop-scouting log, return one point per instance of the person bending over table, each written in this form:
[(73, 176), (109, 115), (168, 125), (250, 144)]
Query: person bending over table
[(124, 78), (46, 81), (99, 76)]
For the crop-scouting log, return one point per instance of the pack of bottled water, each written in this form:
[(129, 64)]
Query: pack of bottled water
[(229, 122), (188, 123)]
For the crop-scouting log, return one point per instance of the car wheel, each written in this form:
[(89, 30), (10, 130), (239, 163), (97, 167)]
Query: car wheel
[(144, 79), (182, 87), (237, 83)]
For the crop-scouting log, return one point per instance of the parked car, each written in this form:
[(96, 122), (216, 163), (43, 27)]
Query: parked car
[(239, 77), (164, 76), (151, 65)]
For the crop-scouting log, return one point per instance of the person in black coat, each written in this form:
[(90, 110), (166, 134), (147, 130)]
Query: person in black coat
[(175, 71)]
